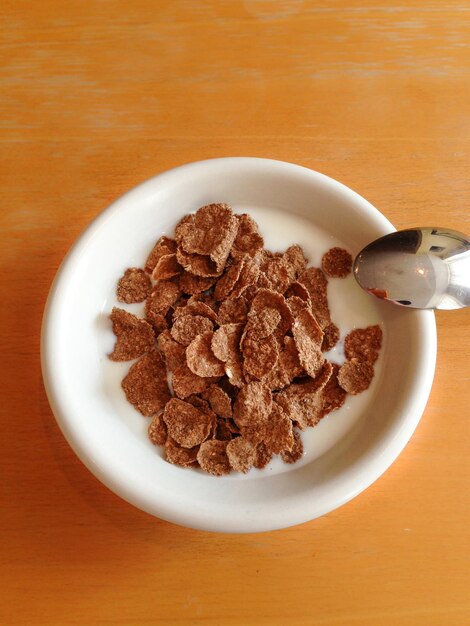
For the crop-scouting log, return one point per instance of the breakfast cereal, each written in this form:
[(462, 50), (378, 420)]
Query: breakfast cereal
[(363, 343), (212, 457), (248, 240), (134, 336), (308, 340), (314, 280), (231, 353), (145, 384), (134, 286), (167, 267), (336, 263), (355, 376), (241, 454), (177, 455), (186, 328), (200, 358), (219, 401), (163, 247), (296, 452), (157, 431), (186, 424)]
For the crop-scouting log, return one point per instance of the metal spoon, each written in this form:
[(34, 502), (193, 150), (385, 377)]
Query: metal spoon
[(422, 268)]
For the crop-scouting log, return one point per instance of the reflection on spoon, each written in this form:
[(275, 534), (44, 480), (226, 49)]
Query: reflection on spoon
[(423, 268)]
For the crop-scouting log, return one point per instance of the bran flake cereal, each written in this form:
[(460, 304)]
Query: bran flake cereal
[(195, 307), (303, 402), (336, 263), (186, 328), (177, 455), (227, 282), (219, 401), (308, 339), (248, 240), (298, 290), (167, 267), (287, 367), (296, 452), (263, 456), (223, 432), (233, 311), (173, 352), (158, 322), (226, 347), (134, 286), (363, 343), (212, 457), (211, 231), (259, 356), (200, 358), (265, 298), (163, 247), (296, 305), (241, 454), (294, 255), (157, 430), (314, 280), (226, 342), (186, 424), (194, 285), (251, 410), (263, 323), (330, 337), (231, 362), (249, 274), (186, 383), (279, 274), (197, 264), (134, 337), (333, 395), (280, 436), (355, 376), (164, 295), (145, 385)]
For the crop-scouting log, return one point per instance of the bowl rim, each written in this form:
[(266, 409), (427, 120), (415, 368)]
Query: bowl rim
[(426, 327)]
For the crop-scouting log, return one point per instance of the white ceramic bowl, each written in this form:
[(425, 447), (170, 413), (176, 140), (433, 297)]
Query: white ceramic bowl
[(344, 454)]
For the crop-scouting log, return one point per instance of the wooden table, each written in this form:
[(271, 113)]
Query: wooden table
[(100, 95)]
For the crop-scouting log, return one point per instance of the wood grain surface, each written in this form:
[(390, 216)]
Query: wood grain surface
[(100, 95)]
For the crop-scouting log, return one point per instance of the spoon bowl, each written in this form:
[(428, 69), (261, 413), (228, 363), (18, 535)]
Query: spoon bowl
[(421, 268)]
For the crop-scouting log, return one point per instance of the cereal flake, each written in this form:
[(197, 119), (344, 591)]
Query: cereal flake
[(308, 339), (212, 457), (167, 267), (164, 246), (297, 451), (133, 286), (314, 280), (134, 336), (157, 431), (187, 327), (355, 376), (336, 263), (145, 385), (210, 232), (200, 358), (363, 343), (251, 410), (186, 424), (241, 454)]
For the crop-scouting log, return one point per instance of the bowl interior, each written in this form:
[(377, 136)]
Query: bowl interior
[(344, 454)]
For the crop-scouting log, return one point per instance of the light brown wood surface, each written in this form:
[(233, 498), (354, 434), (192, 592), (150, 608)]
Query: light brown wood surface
[(100, 95)]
